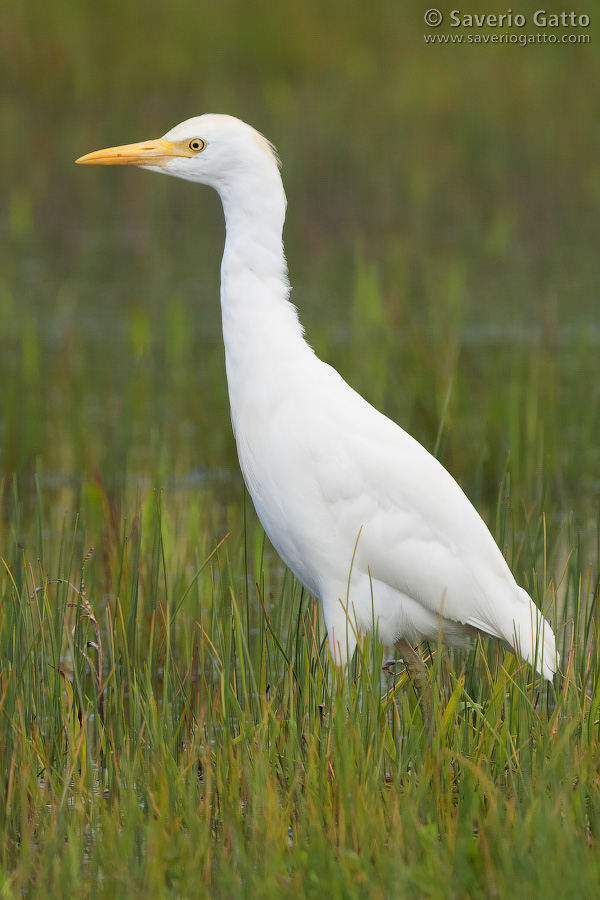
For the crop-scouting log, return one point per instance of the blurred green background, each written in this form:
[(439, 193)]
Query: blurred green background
[(442, 240)]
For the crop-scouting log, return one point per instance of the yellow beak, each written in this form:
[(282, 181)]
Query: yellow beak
[(147, 153)]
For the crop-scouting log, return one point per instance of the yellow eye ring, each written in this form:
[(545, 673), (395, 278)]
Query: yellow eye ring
[(196, 145)]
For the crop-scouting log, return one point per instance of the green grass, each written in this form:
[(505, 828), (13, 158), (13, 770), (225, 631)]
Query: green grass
[(442, 240), (226, 757)]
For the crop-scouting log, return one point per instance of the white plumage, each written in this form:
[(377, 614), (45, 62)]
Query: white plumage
[(362, 514)]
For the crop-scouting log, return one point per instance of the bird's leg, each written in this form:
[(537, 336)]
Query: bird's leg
[(419, 675)]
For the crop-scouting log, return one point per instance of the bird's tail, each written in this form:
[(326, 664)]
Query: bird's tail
[(533, 638)]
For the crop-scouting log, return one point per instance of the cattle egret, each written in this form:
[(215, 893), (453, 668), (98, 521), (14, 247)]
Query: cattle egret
[(364, 516)]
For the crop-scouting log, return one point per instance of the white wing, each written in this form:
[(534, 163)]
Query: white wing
[(419, 534)]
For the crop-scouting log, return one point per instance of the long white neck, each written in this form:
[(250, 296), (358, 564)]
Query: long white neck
[(261, 331)]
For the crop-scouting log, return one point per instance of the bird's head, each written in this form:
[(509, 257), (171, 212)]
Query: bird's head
[(216, 150)]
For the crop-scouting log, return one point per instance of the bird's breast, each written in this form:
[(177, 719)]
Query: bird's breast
[(282, 439)]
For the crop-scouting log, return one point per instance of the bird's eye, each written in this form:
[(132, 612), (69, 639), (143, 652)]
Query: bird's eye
[(196, 144)]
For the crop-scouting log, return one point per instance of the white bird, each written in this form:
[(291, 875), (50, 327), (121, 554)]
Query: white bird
[(364, 516)]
